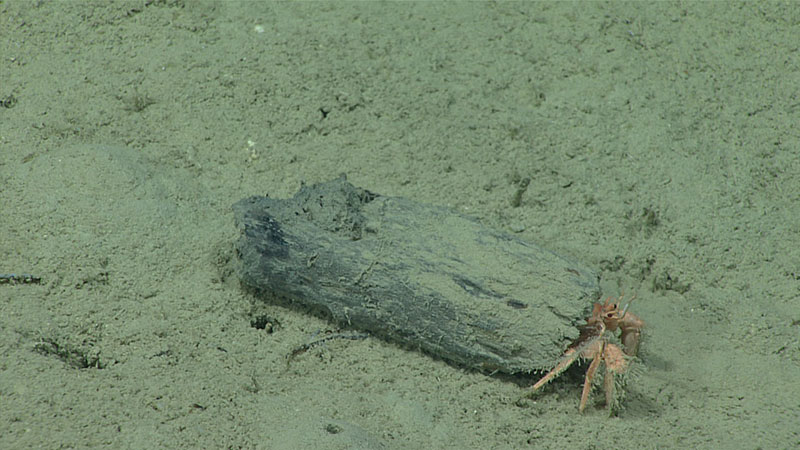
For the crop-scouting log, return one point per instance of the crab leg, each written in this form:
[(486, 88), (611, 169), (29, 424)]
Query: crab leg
[(562, 365), (585, 350), (609, 385), (587, 385)]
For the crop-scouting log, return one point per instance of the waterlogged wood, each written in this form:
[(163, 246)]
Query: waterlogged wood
[(418, 275)]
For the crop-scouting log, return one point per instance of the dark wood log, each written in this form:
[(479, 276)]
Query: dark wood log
[(419, 275)]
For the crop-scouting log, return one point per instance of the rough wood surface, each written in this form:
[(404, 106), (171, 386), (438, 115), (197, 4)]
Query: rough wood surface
[(419, 275)]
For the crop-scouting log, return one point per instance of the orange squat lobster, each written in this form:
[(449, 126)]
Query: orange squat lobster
[(595, 344)]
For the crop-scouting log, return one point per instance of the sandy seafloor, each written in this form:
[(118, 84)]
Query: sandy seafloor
[(661, 142)]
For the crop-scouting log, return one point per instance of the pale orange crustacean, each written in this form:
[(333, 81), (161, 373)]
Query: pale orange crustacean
[(596, 343)]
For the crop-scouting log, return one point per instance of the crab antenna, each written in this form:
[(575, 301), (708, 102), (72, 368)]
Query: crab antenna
[(625, 309)]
